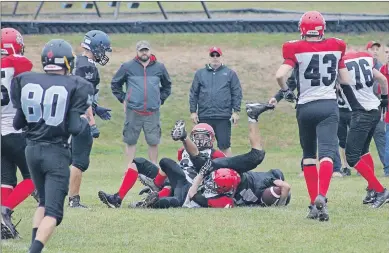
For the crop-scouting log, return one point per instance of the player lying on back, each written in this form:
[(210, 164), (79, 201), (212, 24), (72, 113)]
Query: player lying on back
[(366, 113), (95, 44), (320, 64), (13, 142), (203, 136), (240, 163)]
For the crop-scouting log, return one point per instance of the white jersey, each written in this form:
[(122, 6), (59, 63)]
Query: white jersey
[(360, 93), (11, 66)]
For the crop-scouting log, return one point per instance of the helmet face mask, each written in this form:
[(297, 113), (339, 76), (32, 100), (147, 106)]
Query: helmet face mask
[(202, 139), (99, 44)]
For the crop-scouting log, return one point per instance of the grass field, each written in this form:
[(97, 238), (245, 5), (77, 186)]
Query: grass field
[(352, 227)]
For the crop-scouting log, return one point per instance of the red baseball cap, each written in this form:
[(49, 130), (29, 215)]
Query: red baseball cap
[(372, 43), (215, 49)]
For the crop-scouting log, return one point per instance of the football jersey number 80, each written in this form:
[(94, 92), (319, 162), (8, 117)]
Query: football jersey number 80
[(54, 103)]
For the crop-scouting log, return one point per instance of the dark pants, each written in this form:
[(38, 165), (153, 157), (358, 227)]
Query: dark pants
[(12, 156), (81, 148), (318, 126), (222, 128), (379, 139), (362, 128), (344, 125), (49, 167)]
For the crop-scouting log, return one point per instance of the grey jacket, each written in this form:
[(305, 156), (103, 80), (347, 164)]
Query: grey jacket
[(146, 87), (215, 93)]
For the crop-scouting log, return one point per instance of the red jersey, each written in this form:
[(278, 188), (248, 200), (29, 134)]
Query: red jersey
[(317, 64), (11, 66), (385, 71)]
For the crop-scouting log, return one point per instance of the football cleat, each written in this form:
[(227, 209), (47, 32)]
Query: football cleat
[(255, 109), (370, 197), (149, 182), (178, 131), (112, 201), (313, 212), (321, 206), (74, 202), (381, 198), (7, 226)]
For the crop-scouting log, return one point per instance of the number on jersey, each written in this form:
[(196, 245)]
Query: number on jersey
[(49, 105), (321, 72), (366, 72), (4, 92)]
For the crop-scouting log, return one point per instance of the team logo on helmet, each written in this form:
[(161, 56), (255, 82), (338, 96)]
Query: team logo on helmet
[(19, 39)]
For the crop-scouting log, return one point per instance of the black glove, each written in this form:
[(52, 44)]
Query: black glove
[(145, 190), (94, 131), (103, 113), (206, 168), (384, 103), (288, 95)]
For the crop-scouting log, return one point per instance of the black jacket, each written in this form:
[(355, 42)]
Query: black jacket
[(215, 93)]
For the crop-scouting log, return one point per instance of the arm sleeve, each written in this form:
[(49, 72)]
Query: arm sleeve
[(16, 92), (76, 124), (19, 120), (288, 54), (194, 93), (236, 92), (21, 64), (292, 80), (200, 200), (82, 97), (117, 83), (166, 84)]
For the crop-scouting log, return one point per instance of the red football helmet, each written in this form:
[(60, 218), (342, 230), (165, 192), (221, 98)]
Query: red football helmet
[(312, 23), (225, 180), (203, 136), (11, 42)]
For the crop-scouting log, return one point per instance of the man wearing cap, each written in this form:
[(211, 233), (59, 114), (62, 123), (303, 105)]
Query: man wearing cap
[(373, 48), (148, 85), (215, 98), (385, 71)]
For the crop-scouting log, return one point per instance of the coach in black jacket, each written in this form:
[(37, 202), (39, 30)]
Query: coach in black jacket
[(215, 98)]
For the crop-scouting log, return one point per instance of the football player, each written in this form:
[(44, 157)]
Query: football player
[(366, 113), (13, 142), (203, 136), (320, 64), (241, 164), (95, 44), (50, 105)]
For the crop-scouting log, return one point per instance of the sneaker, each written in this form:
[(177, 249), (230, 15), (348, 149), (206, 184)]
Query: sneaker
[(381, 198), (255, 109), (178, 131), (149, 182), (112, 201), (313, 212), (321, 205), (370, 197), (74, 202)]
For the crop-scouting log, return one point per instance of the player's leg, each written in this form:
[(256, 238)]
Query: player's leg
[(16, 148), (56, 186), (328, 144), (81, 148), (308, 142), (344, 120), (379, 140), (359, 137), (152, 132)]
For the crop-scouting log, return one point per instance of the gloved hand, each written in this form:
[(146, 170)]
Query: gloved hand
[(94, 131), (145, 190), (384, 103), (103, 112), (288, 95), (206, 168)]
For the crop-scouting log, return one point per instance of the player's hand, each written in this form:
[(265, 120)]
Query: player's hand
[(288, 95), (206, 168), (194, 117), (94, 131), (384, 103), (273, 101), (103, 112), (235, 118)]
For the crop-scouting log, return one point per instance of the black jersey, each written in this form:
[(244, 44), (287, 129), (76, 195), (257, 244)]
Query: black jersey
[(46, 101), (86, 68)]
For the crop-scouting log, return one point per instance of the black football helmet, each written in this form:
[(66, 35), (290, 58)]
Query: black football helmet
[(57, 54), (98, 43)]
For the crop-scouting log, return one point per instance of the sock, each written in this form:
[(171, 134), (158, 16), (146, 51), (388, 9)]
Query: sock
[(34, 230), (159, 180), (128, 182), (36, 247), (165, 192), (312, 180), (20, 193), (368, 174), (6, 190), (366, 158), (325, 175)]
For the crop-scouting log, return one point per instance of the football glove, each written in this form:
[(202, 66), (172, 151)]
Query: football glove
[(206, 168), (288, 95), (94, 131), (384, 103), (103, 113)]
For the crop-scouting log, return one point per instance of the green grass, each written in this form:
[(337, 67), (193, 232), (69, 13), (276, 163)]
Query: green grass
[(352, 228), (345, 7)]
